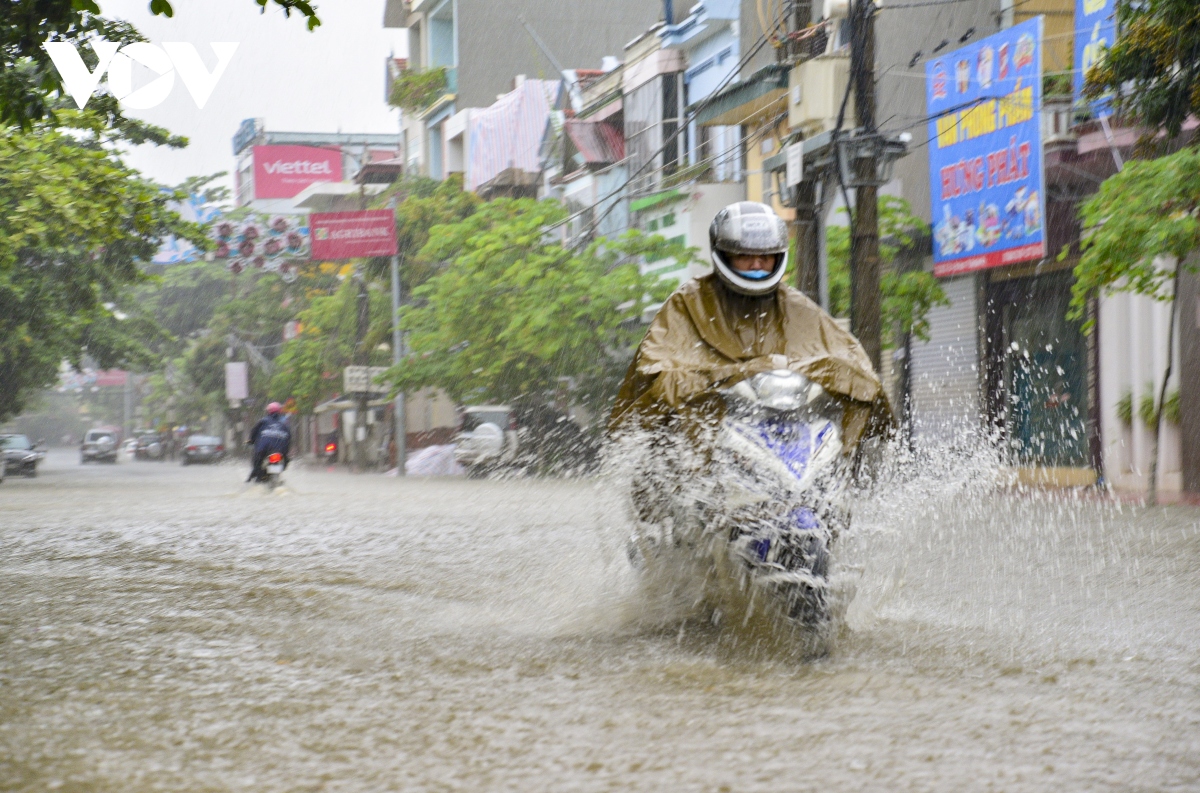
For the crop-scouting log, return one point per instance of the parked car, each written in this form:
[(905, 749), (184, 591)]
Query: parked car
[(150, 447), (99, 445), (487, 439), (203, 449), (20, 456)]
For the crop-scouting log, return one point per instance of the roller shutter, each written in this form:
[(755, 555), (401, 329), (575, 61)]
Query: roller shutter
[(945, 370)]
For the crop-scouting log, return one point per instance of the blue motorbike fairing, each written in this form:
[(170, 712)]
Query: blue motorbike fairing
[(792, 442)]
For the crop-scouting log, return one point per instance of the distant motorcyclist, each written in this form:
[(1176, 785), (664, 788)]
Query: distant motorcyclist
[(739, 321), (271, 434)]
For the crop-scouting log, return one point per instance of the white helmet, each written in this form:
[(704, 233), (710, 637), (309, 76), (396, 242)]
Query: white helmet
[(748, 228)]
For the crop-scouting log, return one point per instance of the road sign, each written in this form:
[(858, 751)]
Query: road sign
[(237, 380), (361, 380), (795, 163)]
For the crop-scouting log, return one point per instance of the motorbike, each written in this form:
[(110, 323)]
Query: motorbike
[(273, 468), (760, 501)]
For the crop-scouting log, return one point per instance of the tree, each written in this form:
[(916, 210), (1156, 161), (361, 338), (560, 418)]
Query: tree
[(1141, 225), (510, 312), (1153, 68), (30, 87), (74, 223), (422, 203), (1138, 231), (907, 295), (309, 369)]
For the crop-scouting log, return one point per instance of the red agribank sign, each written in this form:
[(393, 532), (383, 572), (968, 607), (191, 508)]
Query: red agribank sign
[(349, 235), (283, 171)]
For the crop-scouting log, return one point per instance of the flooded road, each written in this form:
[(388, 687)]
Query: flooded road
[(168, 628)]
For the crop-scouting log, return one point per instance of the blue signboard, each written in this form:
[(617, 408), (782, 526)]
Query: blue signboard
[(1095, 30), (985, 152)]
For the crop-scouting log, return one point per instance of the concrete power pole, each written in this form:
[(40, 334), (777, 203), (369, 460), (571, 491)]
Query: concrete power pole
[(361, 358), (399, 414), (865, 301)]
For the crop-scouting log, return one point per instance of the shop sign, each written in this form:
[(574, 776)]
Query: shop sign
[(362, 380), (350, 235), (985, 152), (284, 171), (1095, 31)]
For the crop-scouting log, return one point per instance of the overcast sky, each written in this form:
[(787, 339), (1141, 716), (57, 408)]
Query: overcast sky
[(326, 80)]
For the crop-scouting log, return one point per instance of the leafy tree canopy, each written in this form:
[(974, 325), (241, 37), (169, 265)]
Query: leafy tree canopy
[(30, 88), (1147, 211), (74, 222), (1153, 68), (310, 367), (907, 295), (512, 311)]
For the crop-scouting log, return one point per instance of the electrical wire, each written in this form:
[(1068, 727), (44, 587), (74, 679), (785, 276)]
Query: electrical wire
[(683, 125)]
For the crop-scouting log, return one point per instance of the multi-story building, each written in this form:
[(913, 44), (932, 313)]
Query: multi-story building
[(274, 169), (483, 45)]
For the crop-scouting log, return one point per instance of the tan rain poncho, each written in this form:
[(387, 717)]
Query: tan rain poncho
[(707, 337)]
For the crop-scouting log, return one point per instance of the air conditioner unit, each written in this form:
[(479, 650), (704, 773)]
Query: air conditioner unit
[(815, 91)]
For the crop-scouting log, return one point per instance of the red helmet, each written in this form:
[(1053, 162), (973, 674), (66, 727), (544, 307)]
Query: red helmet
[(274, 408)]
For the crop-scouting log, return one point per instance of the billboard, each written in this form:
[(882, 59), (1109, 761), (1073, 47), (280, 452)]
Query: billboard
[(1095, 30), (175, 250), (284, 171), (272, 243), (349, 235), (985, 152)]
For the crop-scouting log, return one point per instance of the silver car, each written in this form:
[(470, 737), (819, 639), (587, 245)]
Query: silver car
[(203, 449), (98, 445), (487, 439)]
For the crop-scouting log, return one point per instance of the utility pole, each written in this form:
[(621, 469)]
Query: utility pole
[(865, 301), (399, 414), (806, 227), (361, 358)]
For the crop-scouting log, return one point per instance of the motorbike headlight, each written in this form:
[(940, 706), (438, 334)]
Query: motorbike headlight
[(784, 389)]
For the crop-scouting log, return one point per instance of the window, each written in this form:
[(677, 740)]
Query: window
[(668, 220), (652, 225)]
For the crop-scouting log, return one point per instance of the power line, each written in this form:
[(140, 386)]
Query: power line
[(683, 125)]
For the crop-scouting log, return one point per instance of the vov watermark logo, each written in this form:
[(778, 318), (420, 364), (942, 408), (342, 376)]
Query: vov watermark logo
[(117, 61)]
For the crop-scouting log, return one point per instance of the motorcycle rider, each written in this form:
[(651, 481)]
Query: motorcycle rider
[(271, 434), (739, 321)]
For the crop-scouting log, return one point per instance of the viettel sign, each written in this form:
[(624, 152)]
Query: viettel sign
[(350, 235), (284, 171)]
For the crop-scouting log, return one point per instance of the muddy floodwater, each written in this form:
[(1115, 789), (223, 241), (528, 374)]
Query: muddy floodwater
[(169, 628)]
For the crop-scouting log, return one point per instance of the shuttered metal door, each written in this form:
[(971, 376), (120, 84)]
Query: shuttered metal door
[(945, 370)]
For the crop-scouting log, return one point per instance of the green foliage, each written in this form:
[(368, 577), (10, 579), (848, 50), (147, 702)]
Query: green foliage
[(1154, 65), (1125, 408), (1171, 408), (310, 367), (512, 311), (75, 222), (1148, 412), (414, 90), (422, 204), (30, 88), (907, 295), (1145, 212)]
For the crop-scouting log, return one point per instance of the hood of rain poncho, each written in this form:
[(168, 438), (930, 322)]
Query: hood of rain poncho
[(706, 337)]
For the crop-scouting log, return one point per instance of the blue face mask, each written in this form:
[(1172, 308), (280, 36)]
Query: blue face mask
[(756, 275)]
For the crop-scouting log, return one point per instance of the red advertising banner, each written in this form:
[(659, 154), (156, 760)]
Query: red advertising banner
[(106, 378), (349, 235), (284, 171)]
